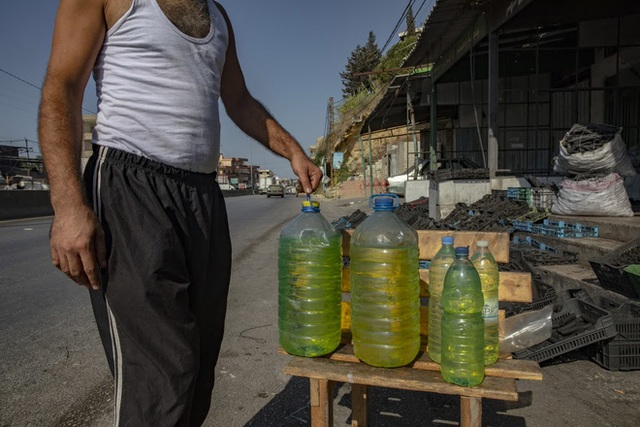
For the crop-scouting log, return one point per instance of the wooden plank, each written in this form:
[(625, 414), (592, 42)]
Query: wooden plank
[(503, 368), (359, 405), (321, 397), (470, 412), (512, 287), (515, 287), (429, 242), (399, 378), (346, 279)]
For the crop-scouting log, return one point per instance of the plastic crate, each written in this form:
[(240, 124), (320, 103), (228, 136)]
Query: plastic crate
[(520, 193), (623, 352), (543, 197), (602, 329), (613, 279), (626, 317), (610, 269), (563, 229), (522, 225), (619, 354)]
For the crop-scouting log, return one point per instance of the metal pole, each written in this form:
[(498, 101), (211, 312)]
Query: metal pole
[(493, 104), (434, 127), (370, 165), (364, 167)]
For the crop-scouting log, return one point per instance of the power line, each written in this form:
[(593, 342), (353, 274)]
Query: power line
[(20, 79), (395, 29), (35, 86)]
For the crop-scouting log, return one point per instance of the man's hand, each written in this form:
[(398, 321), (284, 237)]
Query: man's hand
[(78, 246), (308, 173)]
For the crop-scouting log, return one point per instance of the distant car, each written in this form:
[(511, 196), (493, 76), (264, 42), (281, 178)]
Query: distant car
[(396, 184), (275, 190)]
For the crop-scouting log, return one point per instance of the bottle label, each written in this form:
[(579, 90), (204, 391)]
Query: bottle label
[(490, 309)]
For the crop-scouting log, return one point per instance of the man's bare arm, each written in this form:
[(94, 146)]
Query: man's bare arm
[(77, 241), (254, 119)]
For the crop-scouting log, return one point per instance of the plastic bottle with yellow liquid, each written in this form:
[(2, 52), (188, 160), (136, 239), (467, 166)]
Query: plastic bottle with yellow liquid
[(462, 324), (487, 268), (437, 271), (385, 287), (309, 284)]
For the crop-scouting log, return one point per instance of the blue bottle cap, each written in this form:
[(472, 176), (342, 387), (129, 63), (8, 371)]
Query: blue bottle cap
[(447, 240), (462, 251), (309, 206), (381, 203)]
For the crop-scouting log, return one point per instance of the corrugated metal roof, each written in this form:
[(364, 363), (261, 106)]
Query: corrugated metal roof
[(391, 110), (444, 26)]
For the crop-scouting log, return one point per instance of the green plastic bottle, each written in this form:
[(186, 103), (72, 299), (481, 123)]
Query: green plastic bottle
[(437, 271), (487, 268), (309, 284), (462, 324), (385, 288)]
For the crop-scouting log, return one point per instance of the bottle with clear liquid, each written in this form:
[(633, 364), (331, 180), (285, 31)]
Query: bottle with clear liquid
[(487, 268), (437, 270), (462, 324), (385, 288), (309, 284)]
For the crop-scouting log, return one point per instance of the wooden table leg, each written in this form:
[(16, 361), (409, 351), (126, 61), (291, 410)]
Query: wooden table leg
[(321, 393), (470, 411), (359, 405)]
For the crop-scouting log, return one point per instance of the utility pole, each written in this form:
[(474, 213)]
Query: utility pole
[(330, 112), (26, 145)]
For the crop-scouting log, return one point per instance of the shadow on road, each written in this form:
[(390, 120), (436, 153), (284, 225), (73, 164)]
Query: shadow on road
[(387, 407)]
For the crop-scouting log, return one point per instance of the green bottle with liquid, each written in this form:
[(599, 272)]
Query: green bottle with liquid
[(462, 323), (385, 287), (309, 284)]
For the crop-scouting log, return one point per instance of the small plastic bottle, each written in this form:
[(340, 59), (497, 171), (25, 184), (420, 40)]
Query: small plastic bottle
[(462, 324), (309, 284), (437, 271), (487, 268), (385, 288)]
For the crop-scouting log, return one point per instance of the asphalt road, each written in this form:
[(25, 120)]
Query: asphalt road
[(53, 371)]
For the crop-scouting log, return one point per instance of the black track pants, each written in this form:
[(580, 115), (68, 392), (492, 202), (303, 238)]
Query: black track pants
[(162, 305)]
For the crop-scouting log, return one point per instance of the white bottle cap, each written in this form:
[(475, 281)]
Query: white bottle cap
[(483, 243)]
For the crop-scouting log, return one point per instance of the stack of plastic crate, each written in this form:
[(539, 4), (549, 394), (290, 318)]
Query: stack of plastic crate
[(543, 197), (621, 353), (563, 229), (520, 193)]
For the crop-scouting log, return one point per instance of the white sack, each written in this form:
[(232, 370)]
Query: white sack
[(605, 196), (610, 157)]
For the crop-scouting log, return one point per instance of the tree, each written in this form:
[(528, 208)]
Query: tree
[(362, 60), (411, 25)]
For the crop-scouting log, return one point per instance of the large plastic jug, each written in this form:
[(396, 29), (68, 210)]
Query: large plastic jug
[(309, 284), (462, 324), (487, 268), (437, 270), (385, 287)]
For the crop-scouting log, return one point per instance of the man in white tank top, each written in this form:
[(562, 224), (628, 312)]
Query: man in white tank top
[(146, 231)]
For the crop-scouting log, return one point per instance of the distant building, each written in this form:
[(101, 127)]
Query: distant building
[(235, 171), (10, 160)]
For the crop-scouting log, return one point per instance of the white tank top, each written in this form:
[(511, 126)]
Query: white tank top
[(158, 88)]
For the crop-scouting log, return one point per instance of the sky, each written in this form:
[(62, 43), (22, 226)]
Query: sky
[(291, 53)]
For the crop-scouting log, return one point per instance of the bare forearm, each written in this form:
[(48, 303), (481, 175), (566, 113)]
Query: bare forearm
[(60, 134), (254, 119)]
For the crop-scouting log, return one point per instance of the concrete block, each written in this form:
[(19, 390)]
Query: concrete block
[(414, 189)]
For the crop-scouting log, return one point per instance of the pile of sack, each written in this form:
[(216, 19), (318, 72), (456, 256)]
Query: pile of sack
[(594, 160)]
